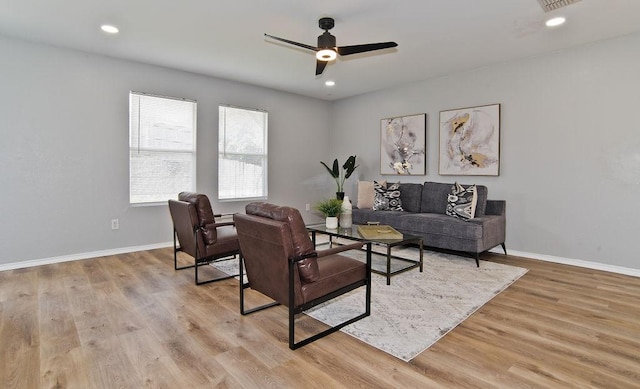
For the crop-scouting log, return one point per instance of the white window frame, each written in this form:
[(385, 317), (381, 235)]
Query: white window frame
[(149, 129), (223, 129)]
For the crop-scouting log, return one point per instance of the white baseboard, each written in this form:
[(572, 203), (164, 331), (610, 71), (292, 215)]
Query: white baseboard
[(76, 257), (573, 262)]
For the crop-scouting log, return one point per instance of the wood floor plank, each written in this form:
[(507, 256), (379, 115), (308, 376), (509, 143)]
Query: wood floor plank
[(248, 371), (132, 321), (109, 365), (305, 376), (123, 315), (65, 370), (196, 364), (150, 360), (19, 333)]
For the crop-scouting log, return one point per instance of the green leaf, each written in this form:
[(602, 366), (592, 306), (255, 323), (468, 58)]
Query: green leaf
[(349, 166), (334, 175), (330, 207)]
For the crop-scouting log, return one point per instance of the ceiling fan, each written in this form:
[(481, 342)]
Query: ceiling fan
[(327, 49)]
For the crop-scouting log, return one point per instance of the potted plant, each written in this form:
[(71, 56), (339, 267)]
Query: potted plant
[(330, 209), (341, 175)]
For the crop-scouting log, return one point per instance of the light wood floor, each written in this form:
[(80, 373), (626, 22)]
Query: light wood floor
[(131, 321)]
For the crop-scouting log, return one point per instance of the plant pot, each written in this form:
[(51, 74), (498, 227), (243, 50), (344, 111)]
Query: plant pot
[(340, 195), (332, 223)]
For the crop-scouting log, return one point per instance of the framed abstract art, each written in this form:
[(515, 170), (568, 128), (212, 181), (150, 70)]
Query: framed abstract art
[(470, 141), (402, 145)]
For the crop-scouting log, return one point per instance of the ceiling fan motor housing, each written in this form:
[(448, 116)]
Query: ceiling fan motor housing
[(326, 41)]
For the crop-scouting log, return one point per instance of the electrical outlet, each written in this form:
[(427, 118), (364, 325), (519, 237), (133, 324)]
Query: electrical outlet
[(115, 224), (308, 207)]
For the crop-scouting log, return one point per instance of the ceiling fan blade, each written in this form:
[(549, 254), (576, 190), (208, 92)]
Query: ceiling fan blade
[(292, 42), (346, 50), (320, 65)]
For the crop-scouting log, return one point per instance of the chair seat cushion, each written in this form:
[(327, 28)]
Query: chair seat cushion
[(336, 271), (227, 242)]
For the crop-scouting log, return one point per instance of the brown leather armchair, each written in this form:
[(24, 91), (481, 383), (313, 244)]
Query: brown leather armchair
[(282, 263), (199, 235)]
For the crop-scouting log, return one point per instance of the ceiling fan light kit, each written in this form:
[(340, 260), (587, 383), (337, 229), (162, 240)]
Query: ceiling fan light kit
[(327, 50), (326, 55)]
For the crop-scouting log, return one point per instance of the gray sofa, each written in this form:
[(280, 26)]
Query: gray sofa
[(424, 215)]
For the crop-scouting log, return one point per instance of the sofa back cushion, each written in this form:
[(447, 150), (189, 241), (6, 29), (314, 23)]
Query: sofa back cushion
[(411, 196), (481, 205), (435, 195)]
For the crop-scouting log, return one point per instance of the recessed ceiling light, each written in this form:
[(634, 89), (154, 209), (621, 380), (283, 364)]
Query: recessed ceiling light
[(109, 29), (555, 21), (330, 83)]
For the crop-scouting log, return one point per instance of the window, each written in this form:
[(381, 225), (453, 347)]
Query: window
[(162, 147), (242, 154)]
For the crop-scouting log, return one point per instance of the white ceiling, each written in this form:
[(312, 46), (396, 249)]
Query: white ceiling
[(226, 38)]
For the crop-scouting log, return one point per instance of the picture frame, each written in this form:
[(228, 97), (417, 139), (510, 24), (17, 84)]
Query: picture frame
[(403, 145), (470, 141)]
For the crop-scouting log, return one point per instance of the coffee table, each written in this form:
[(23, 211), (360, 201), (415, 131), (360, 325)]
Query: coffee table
[(405, 264)]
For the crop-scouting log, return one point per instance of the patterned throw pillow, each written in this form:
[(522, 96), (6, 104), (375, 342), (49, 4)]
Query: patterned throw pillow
[(387, 199), (461, 202)]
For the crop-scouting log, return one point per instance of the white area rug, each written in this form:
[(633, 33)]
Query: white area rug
[(417, 308)]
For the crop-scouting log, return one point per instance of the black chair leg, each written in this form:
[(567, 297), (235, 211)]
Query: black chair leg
[(244, 286), (198, 282), (293, 311)]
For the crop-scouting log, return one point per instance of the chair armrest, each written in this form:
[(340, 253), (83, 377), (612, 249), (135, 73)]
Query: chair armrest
[(339, 249), (221, 224), (305, 256), (222, 214)]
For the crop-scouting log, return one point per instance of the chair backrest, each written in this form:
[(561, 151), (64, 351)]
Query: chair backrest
[(192, 214), (204, 214), (185, 223), (269, 237)]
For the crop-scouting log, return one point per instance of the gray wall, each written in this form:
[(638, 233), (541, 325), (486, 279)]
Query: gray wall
[(64, 149), (570, 145)]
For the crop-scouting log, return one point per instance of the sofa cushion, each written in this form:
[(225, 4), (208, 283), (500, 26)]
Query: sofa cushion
[(387, 199), (481, 204), (461, 202), (430, 223), (435, 195), (411, 195), (389, 218)]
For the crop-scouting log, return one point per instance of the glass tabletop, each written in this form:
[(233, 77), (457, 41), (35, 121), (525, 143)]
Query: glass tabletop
[(352, 233)]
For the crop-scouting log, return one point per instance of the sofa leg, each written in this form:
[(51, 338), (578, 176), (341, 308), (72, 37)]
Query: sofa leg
[(478, 259), (504, 247)]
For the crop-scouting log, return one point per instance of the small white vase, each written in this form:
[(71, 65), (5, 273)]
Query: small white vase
[(332, 223), (346, 214)]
